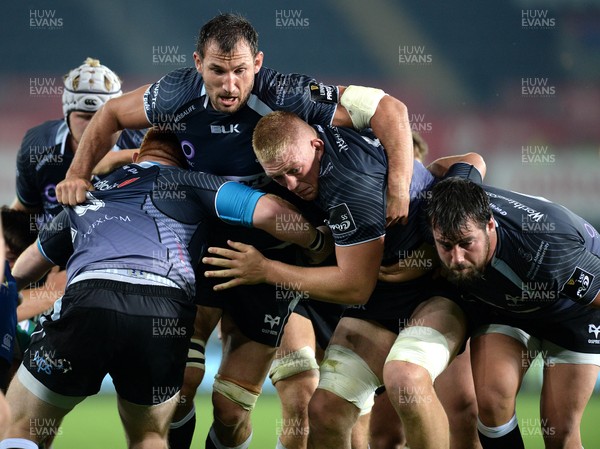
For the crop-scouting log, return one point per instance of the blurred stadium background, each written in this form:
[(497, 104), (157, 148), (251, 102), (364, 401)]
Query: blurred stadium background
[(517, 81)]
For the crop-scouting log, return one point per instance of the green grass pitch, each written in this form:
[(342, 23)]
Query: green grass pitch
[(94, 424)]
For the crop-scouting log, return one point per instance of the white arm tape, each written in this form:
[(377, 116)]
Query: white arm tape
[(361, 103)]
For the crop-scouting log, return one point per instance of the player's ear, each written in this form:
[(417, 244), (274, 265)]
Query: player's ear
[(490, 225), (317, 144), (258, 61), (135, 156), (198, 62)]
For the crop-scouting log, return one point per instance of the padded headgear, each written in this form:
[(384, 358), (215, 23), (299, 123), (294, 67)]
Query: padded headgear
[(89, 86)]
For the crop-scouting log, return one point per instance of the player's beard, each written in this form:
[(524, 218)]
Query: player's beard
[(465, 275)]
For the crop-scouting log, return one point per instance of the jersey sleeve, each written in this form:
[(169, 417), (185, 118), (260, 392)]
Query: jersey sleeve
[(54, 240), (314, 102), (230, 201), (163, 99), (465, 171), (582, 270), (235, 203)]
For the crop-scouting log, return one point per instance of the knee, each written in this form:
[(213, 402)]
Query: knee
[(328, 412), (321, 405), (460, 406), (495, 404), (408, 385), (295, 393)]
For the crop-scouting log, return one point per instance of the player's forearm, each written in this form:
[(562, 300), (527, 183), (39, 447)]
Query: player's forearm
[(283, 221), (392, 127), (35, 301), (30, 267), (329, 284), (96, 141), (439, 167)]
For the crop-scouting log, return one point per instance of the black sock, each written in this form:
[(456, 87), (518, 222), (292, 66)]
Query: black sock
[(511, 439), (180, 436)]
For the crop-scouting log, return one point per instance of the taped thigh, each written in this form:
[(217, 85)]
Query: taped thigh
[(423, 346), (348, 376), (293, 363), (242, 396)]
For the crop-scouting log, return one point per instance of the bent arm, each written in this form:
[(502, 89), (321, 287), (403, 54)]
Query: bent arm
[(283, 221), (37, 300), (351, 281), (126, 111), (31, 266), (439, 167), (390, 123)]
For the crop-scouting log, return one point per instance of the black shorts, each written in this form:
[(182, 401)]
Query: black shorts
[(259, 311), (139, 334), (392, 304), (576, 329), (324, 317)]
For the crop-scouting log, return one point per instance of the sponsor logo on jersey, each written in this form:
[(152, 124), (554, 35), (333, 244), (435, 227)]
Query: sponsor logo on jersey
[(578, 284), (271, 321), (104, 185), (222, 129), (127, 182), (323, 93), (92, 203), (340, 220), (594, 329)]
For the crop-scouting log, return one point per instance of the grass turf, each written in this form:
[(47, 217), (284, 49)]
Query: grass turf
[(94, 424)]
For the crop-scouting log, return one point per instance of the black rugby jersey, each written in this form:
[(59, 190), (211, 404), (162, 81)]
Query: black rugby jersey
[(220, 143), (43, 161), (547, 258), (352, 189)]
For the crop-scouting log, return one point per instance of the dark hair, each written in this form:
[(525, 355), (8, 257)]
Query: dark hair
[(227, 30), (18, 228), (453, 203)]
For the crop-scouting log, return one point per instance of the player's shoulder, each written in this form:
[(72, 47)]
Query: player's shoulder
[(183, 75), (174, 90), (47, 134)]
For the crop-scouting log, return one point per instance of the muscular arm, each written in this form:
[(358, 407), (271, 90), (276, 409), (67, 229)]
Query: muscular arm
[(439, 167), (38, 300), (31, 266), (126, 111), (351, 281), (391, 125), (282, 220)]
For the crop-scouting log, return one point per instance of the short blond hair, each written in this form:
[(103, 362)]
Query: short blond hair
[(420, 147), (276, 132)]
